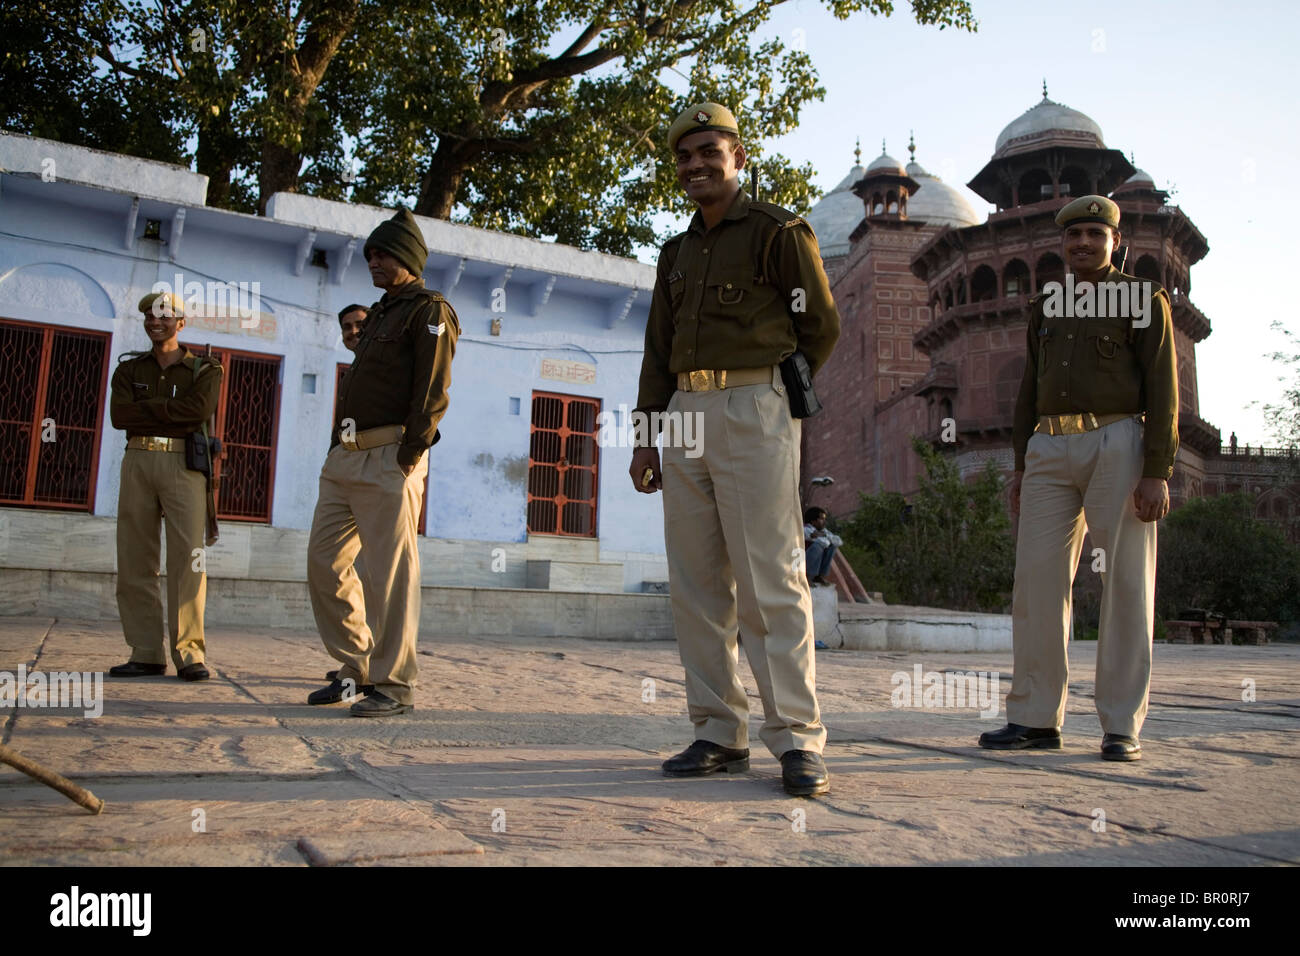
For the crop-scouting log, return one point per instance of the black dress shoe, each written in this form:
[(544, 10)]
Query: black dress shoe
[(331, 675), (378, 704), (1120, 747), (803, 773), (193, 672), (1019, 737), (705, 757), (338, 691), (136, 669)]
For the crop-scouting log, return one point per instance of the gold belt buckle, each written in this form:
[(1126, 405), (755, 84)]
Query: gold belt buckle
[(157, 444), (707, 379)]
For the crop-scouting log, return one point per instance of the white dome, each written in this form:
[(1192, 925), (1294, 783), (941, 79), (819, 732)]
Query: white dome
[(885, 162), (836, 215), (1044, 119), (1140, 178), (937, 203)]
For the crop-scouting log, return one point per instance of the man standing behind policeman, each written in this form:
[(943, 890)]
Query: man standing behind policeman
[(738, 292), (1086, 461), (371, 486), (159, 397)]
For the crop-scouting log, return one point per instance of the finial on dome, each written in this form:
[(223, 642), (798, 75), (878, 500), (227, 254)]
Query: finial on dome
[(857, 153), (1044, 87), (883, 151), (911, 144)]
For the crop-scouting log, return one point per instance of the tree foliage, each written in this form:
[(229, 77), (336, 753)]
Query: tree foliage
[(950, 546), (545, 118), (1217, 556)]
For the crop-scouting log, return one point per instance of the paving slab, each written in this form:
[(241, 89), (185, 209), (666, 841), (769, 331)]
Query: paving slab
[(546, 751)]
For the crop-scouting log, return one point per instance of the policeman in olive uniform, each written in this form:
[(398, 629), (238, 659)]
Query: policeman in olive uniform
[(158, 397), (371, 487), (1086, 460), (736, 293)]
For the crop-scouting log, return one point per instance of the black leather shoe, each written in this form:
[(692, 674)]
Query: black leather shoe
[(136, 669), (378, 704), (1120, 747), (705, 757), (803, 773), (193, 672), (331, 675), (336, 692), (1019, 737)]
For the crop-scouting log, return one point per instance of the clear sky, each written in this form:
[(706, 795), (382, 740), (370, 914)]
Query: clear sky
[(1205, 95)]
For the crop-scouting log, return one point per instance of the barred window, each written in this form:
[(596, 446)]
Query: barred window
[(563, 465), (52, 402)]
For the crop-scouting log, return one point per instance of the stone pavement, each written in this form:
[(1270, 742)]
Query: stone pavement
[(548, 752)]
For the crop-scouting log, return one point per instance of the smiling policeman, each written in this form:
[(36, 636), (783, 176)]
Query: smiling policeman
[(739, 291)]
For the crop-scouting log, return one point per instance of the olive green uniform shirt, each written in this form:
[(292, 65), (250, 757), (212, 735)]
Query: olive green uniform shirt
[(146, 399), (745, 294), (402, 369), (1103, 366)]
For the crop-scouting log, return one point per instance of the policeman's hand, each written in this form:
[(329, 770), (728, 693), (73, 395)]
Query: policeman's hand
[(1015, 492), (642, 459), (1151, 499)]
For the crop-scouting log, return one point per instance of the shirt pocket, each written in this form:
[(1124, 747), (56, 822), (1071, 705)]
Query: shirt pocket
[(1108, 352), (731, 295)]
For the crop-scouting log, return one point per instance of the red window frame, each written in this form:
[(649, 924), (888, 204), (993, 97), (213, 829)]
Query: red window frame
[(39, 461), (563, 456), (227, 489)]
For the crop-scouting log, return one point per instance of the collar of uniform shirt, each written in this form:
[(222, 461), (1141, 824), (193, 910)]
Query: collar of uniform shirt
[(404, 290), (186, 358), (738, 209)]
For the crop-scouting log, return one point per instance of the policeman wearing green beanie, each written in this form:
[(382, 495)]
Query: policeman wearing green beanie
[(372, 485)]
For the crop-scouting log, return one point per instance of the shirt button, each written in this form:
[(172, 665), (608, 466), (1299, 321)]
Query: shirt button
[(706, 252), (1063, 395), (1065, 363), (1070, 336)]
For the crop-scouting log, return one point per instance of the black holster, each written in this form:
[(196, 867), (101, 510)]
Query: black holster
[(797, 376)]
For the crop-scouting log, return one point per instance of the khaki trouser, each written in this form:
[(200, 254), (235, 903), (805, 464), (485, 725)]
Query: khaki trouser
[(155, 483), (1070, 479), (367, 507), (734, 536)]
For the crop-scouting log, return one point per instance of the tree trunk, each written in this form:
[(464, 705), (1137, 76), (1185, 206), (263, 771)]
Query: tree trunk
[(216, 163), (441, 183), (278, 173)]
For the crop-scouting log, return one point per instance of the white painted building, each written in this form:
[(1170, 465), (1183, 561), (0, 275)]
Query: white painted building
[(85, 234)]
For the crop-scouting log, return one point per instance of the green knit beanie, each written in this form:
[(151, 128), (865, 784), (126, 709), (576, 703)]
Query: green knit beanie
[(401, 238)]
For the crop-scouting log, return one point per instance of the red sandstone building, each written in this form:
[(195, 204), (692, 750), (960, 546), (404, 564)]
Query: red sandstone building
[(933, 296)]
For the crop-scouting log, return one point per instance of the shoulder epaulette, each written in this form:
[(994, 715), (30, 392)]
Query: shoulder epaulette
[(782, 215)]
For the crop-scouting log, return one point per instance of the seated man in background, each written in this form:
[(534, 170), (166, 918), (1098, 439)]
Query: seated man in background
[(821, 546)]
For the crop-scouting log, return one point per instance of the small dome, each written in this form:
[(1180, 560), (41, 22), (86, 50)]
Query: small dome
[(1140, 178), (836, 215), (1044, 120), (884, 163)]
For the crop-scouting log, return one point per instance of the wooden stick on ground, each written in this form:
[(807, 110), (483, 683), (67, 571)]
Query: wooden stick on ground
[(51, 779)]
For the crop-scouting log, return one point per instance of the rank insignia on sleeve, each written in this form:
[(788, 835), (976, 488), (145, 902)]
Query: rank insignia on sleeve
[(438, 329)]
